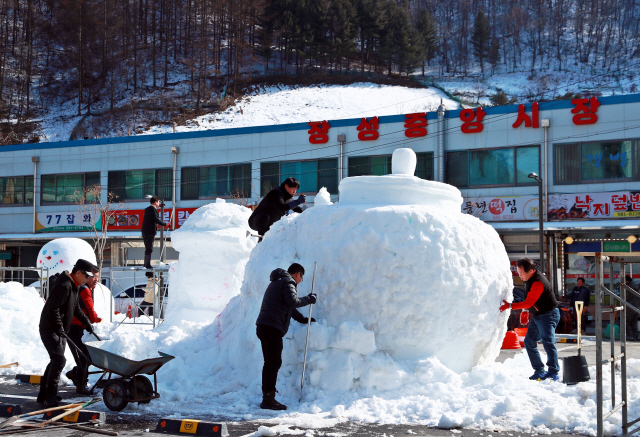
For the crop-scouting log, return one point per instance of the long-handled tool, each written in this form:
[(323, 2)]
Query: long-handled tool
[(34, 428), (68, 412), (79, 427), (12, 419), (575, 369), (6, 366), (306, 343)]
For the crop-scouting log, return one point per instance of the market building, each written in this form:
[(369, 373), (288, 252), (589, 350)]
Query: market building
[(586, 153)]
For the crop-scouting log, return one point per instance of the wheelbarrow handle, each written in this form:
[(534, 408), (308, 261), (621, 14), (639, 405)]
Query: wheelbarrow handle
[(77, 348)]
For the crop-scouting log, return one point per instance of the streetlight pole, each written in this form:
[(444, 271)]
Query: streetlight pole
[(540, 219)]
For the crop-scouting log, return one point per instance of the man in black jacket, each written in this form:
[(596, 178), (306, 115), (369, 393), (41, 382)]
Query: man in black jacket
[(55, 321), (150, 223), (276, 204), (278, 307)]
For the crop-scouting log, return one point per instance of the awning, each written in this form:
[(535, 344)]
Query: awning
[(574, 225), (83, 235)]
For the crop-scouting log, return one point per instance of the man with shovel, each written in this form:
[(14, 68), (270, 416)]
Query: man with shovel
[(278, 307), (55, 321), (543, 307), (80, 373)]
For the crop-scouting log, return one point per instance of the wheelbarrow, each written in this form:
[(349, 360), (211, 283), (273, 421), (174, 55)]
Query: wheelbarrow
[(130, 384)]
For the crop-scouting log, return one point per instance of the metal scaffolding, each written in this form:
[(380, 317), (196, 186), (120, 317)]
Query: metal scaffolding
[(618, 305), (138, 275)]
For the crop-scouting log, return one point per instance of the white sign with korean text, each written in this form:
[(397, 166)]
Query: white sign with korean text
[(502, 208)]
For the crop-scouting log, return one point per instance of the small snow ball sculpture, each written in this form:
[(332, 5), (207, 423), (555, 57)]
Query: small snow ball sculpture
[(62, 253), (403, 161)]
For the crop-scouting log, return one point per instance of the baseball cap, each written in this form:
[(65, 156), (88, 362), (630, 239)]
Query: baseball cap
[(86, 266)]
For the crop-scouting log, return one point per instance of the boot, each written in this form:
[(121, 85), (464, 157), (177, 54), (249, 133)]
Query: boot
[(147, 261), (73, 376), (269, 401), (83, 391)]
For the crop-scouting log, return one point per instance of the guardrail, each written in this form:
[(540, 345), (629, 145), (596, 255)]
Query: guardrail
[(130, 304)]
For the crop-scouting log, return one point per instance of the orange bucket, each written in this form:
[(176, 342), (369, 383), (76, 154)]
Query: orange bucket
[(510, 341)]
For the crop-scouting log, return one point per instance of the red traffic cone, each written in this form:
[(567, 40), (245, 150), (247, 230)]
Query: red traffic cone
[(510, 341), (129, 312)]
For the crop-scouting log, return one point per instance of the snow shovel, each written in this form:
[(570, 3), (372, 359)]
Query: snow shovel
[(68, 412), (306, 343), (575, 369), (12, 419)]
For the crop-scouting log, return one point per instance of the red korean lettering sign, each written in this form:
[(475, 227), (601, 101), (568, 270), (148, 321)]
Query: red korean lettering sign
[(529, 121), (368, 129), (585, 111), (319, 132), (469, 126), (415, 125)]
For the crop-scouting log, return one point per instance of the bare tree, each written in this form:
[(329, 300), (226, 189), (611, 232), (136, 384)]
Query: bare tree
[(91, 205)]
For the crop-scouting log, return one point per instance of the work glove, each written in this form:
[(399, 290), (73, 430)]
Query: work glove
[(301, 199), (59, 331), (98, 320), (312, 298), (524, 318), (89, 328), (505, 305), (306, 320)]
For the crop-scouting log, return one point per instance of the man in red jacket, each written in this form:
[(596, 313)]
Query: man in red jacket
[(543, 307), (79, 374)]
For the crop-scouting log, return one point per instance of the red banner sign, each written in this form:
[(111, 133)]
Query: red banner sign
[(131, 219)]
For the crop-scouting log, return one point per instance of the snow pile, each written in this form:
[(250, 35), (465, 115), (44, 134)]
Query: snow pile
[(214, 249), (282, 104), (323, 198), (20, 309), (102, 301)]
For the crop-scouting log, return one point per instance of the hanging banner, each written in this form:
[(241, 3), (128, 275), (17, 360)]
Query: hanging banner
[(67, 221), (620, 204), (502, 208), (131, 219)]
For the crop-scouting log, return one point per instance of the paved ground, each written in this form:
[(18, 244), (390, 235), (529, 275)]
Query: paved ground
[(137, 425)]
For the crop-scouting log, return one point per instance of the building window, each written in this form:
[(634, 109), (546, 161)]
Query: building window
[(312, 175), (136, 184), (215, 181), (509, 166), (424, 165), (370, 165), (607, 161), (16, 190), (69, 188)]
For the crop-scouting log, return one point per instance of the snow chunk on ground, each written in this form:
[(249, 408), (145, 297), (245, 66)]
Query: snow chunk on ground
[(323, 198)]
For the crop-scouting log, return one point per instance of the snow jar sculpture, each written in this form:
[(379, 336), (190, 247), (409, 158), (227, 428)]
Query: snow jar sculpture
[(402, 272)]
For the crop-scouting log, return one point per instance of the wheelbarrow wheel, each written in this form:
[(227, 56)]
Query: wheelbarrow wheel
[(144, 388), (115, 394)]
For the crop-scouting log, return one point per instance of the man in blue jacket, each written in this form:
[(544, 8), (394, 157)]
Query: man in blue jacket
[(278, 307), (580, 293)]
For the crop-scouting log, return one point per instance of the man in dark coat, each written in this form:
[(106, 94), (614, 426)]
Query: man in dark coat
[(150, 223), (55, 321), (276, 204), (278, 307), (80, 373), (543, 307), (632, 316), (580, 293)]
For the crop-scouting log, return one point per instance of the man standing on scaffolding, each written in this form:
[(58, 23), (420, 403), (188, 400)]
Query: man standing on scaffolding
[(150, 222)]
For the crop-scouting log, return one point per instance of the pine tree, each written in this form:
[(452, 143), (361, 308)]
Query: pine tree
[(480, 39), (494, 54), (426, 26)]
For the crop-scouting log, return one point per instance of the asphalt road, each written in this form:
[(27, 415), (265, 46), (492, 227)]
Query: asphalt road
[(136, 424)]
